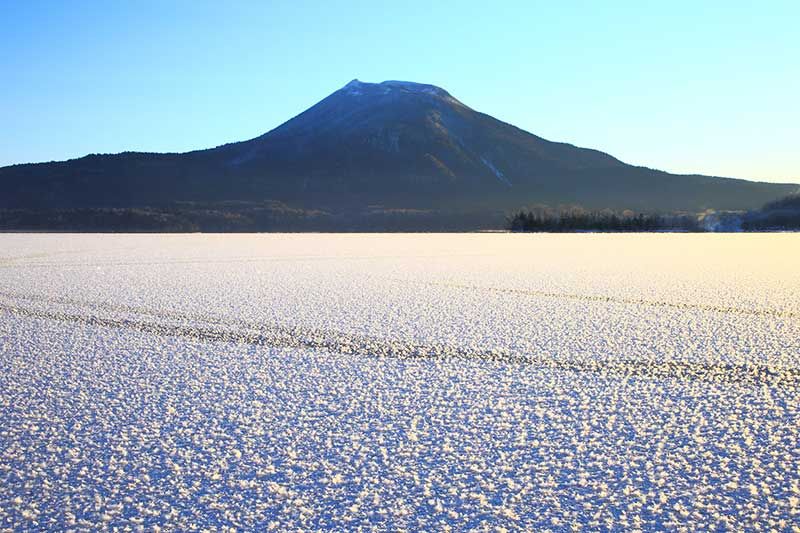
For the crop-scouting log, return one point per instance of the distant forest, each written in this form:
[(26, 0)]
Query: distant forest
[(780, 215), (243, 217), (577, 219)]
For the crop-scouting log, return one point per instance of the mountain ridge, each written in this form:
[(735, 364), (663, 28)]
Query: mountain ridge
[(402, 145)]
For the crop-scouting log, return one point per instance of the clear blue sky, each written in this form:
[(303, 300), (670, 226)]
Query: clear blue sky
[(708, 87)]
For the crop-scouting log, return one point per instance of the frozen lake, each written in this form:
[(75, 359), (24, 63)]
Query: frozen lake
[(464, 381)]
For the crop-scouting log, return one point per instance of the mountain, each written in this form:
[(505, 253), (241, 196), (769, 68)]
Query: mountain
[(396, 146)]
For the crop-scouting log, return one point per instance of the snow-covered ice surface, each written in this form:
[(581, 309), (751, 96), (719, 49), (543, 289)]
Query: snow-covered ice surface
[(418, 382)]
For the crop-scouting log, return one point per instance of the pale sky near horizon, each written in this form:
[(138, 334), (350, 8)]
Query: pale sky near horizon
[(689, 87)]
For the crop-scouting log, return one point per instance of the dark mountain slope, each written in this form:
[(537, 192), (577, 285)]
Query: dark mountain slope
[(394, 144)]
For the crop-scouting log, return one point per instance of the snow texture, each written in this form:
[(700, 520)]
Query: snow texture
[(399, 382)]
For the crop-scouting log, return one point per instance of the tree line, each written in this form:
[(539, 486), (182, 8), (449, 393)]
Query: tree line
[(577, 219), (780, 215)]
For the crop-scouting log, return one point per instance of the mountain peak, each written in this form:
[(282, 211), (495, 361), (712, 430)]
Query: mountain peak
[(357, 88), (396, 144)]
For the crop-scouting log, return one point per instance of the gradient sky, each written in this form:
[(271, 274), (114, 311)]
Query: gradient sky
[(707, 87)]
